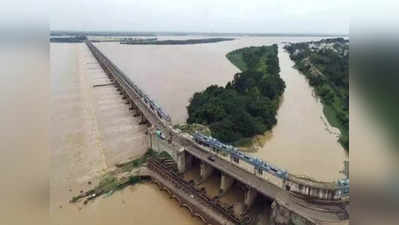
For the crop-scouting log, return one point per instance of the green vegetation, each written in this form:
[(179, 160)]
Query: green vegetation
[(110, 182), (326, 65), (247, 105), (192, 128), (128, 166), (175, 42), (71, 39)]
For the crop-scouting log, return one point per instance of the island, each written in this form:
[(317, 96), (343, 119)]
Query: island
[(247, 105), (173, 42)]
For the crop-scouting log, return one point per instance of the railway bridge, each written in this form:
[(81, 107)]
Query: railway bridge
[(297, 200)]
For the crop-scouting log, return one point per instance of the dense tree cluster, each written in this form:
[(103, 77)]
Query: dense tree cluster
[(247, 105), (331, 58)]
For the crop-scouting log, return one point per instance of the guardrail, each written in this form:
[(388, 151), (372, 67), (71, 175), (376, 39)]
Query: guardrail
[(304, 186), (115, 71)]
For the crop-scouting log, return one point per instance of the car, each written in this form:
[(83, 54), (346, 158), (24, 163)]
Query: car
[(212, 158)]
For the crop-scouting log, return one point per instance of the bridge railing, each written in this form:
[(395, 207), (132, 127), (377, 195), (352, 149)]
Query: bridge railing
[(305, 185), (257, 167), (150, 103)]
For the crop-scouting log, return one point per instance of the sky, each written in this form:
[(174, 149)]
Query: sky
[(226, 16)]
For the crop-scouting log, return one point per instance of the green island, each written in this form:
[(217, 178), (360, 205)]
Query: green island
[(154, 41), (69, 39), (246, 106), (325, 64)]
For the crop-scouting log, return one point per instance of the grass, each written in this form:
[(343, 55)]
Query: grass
[(236, 59), (165, 155), (191, 128), (128, 166), (110, 182)]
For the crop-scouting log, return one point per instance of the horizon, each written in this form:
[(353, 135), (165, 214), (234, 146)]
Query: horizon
[(203, 16), (199, 32)]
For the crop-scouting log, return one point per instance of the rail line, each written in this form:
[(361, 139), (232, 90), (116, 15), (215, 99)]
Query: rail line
[(199, 145), (182, 185)]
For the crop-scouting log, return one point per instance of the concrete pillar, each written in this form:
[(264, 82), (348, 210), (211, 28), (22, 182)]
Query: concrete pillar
[(150, 140), (184, 161), (226, 182), (250, 196), (205, 170), (143, 119)]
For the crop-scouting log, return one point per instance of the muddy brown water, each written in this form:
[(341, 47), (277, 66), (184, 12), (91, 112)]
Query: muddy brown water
[(82, 151), (301, 142)]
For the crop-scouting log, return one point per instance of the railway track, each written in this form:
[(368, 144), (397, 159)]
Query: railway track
[(181, 185)]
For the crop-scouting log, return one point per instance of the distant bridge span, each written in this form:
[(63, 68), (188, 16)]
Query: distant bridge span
[(327, 199)]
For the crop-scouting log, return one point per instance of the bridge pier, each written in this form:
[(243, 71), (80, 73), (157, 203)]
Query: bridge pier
[(249, 197), (137, 113), (205, 170), (184, 161), (143, 119), (225, 183), (300, 202), (132, 106)]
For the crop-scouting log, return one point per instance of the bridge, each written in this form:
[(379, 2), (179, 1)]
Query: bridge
[(295, 197)]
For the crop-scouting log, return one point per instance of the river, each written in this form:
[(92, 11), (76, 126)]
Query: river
[(79, 153), (301, 142)]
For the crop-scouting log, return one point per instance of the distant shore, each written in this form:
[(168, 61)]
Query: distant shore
[(175, 42)]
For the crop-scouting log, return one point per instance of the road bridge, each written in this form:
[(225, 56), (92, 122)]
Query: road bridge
[(304, 199)]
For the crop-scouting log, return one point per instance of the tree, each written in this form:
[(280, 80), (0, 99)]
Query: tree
[(247, 105)]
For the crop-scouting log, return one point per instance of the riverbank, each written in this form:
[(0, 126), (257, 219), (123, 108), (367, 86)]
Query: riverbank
[(326, 66), (123, 175), (299, 142)]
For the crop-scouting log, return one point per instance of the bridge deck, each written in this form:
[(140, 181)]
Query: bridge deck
[(262, 186), (266, 188), (319, 214)]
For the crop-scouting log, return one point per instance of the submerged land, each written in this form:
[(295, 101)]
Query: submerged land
[(246, 106), (325, 64)]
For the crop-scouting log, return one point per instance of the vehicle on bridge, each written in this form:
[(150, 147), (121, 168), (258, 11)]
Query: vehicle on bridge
[(259, 165), (237, 155)]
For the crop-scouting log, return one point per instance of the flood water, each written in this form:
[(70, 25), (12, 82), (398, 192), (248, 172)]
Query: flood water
[(84, 145), (302, 141)]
